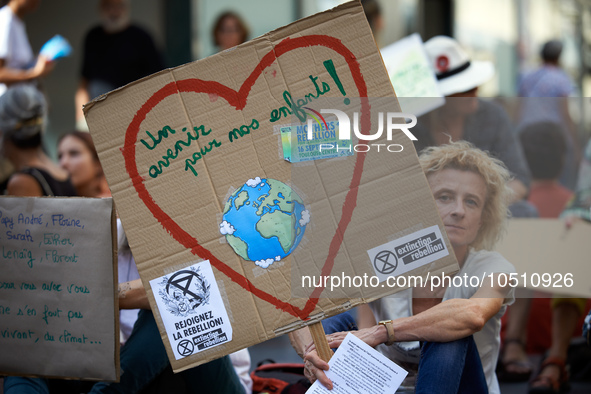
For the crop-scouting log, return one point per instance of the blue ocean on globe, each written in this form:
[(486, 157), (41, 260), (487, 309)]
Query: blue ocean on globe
[(264, 221)]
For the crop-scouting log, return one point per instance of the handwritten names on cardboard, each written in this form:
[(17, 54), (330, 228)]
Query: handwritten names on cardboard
[(57, 291)]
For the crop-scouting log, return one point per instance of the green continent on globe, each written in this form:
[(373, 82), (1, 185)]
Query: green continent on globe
[(278, 224), (238, 245), (285, 202), (240, 199), (228, 205)]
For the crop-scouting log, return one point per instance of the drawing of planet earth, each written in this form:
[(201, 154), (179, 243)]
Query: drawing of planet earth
[(264, 221)]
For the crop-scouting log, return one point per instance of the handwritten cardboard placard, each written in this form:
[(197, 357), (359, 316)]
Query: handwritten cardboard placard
[(57, 288), (547, 256), (194, 158)]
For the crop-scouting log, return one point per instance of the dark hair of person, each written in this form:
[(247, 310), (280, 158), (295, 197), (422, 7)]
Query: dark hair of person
[(86, 140), (544, 147), (551, 51), (219, 22), (22, 111), (25, 141)]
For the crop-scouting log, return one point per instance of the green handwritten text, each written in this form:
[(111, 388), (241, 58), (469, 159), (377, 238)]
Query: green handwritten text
[(243, 130), (296, 107), (189, 163), (179, 145)]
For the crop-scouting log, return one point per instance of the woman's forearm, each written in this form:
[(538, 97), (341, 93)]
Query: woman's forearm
[(132, 295)]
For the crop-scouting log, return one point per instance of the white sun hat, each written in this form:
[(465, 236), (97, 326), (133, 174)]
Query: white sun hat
[(454, 70)]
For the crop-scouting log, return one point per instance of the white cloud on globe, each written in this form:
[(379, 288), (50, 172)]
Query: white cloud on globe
[(264, 263), (253, 182), (305, 218), (226, 228)]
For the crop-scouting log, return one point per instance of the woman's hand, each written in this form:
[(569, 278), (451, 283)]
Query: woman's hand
[(373, 336), (314, 368)]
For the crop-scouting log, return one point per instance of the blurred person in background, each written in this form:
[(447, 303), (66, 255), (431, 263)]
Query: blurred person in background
[(17, 62), (580, 209), (116, 53), (545, 149), (77, 155), (229, 30), (373, 14), (554, 374), (546, 91), (22, 120), (466, 117)]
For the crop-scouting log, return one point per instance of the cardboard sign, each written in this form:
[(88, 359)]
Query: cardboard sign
[(411, 75), (547, 256), (57, 288), (194, 158)]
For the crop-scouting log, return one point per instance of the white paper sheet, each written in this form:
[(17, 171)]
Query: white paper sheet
[(356, 368), (411, 76)]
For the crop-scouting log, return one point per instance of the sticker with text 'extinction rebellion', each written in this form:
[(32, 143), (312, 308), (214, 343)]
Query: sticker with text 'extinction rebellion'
[(192, 309), (407, 253)]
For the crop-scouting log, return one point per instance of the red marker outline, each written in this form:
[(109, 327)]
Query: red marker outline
[(238, 100)]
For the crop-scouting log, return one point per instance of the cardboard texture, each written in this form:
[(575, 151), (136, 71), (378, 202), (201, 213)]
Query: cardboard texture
[(174, 192), (58, 303), (548, 257)]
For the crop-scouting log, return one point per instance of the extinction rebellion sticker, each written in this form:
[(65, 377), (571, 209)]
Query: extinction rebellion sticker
[(192, 310), (407, 253)]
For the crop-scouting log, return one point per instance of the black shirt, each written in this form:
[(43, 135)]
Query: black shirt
[(49, 185), (119, 58)]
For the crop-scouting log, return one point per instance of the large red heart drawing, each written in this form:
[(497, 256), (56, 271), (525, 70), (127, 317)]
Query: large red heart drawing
[(238, 99)]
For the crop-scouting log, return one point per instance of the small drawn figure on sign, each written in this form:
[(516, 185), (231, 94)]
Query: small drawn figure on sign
[(184, 292)]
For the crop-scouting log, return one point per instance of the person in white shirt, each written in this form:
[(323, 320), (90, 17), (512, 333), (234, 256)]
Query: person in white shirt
[(17, 61), (456, 329)]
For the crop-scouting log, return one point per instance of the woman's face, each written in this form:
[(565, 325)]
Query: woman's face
[(76, 158), (460, 197), (229, 34)]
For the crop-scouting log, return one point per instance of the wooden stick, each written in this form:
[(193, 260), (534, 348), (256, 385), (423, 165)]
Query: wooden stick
[(320, 341)]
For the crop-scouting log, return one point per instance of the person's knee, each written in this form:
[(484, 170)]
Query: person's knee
[(451, 351), (341, 322)]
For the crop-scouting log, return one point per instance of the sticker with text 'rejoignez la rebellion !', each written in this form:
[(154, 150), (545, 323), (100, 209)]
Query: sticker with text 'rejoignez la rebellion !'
[(407, 253), (192, 309)]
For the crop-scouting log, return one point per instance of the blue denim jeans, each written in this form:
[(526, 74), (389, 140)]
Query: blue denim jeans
[(338, 323), (143, 358), (445, 367), (451, 367)]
